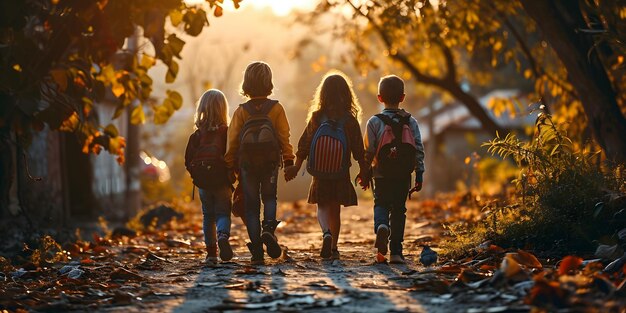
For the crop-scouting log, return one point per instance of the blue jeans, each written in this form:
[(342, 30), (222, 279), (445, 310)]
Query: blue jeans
[(256, 189), (390, 206), (216, 207)]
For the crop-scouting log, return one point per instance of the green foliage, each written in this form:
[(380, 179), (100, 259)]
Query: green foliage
[(60, 58), (560, 195)]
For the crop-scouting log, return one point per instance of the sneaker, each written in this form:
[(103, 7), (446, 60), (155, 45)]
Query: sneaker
[(210, 261), (257, 254), (226, 251), (211, 256), (397, 259), (269, 239), (255, 260), (382, 239), (335, 255), (327, 242), (271, 243)]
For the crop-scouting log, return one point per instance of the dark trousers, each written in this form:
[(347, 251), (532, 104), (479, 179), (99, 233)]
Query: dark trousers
[(390, 208)]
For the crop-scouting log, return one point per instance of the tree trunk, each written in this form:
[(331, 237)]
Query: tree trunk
[(559, 22)]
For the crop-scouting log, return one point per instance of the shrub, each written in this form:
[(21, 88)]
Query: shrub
[(560, 194)]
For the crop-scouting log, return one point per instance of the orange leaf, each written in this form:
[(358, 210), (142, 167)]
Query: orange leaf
[(218, 11), (527, 259), (380, 258), (569, 264), (510, 267)]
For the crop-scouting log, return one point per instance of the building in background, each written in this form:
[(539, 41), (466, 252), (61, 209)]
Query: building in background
[(451, 134)]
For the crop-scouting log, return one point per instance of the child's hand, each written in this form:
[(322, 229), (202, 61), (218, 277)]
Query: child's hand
[(418, 187), (364, 178), (291, 172)]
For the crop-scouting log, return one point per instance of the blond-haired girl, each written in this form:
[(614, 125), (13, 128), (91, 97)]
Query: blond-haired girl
[(334, 102), (204, 159)]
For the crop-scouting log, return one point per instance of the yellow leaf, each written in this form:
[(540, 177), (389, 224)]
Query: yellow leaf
[(117, 144), (528, 73), (176, 16), (467, 160), (138, 116), (161, 114), (108, 74), (497, 46), (70, 123), (118, 89), (170, 76), (17, 67), (147, 61)]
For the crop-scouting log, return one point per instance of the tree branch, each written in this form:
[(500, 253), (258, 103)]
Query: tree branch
[(449, 83)]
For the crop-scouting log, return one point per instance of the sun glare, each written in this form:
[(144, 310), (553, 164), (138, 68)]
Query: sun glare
[(279, 7)]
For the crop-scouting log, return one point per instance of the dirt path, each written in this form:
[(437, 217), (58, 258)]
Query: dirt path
[(300, 280)]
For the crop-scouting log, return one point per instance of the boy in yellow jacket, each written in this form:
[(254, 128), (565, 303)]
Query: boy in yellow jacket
[(258, 144)]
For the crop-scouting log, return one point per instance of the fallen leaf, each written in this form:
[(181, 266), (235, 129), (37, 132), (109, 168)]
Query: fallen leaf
[(569, 264), (509, 266), (526, 259), (546, 293), (124, 274)]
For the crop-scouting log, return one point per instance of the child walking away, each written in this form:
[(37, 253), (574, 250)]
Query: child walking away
[(204, 159), (393, 145), (258, 142), (331, 135)]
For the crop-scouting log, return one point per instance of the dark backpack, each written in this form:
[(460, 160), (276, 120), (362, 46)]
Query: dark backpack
[(329, 155), (259, 148), (208, 168), (396, 152)]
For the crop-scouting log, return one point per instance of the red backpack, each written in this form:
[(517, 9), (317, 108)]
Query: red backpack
[(396, 152), (208, 168)]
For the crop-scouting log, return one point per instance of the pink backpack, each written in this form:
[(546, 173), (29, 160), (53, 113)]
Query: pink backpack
[(396, 152)]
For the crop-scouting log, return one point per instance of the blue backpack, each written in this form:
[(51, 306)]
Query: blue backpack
[(329, 156)]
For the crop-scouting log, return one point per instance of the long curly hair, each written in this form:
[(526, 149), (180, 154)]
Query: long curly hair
[(335, 96)]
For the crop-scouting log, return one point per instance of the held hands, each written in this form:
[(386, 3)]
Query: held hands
[(364, 178), (291, 172)]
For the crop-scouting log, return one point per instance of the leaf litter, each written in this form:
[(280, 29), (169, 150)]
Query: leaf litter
[(164, 261)]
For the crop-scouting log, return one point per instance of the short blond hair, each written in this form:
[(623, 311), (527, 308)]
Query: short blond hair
[(257, 80), (212, 110)]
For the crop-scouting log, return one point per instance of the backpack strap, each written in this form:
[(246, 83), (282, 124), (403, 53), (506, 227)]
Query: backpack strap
[(263, 109), (386, 119), (396, 127)]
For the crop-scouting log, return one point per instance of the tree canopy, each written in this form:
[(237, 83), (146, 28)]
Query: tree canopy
[(446, 44), (61, 58)]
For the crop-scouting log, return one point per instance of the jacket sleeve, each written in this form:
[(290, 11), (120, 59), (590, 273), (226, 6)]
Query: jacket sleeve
[(304, 144), (281, 124), (370, 141), (190, 151), (233, 134), (419, 167), (356, 140)]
